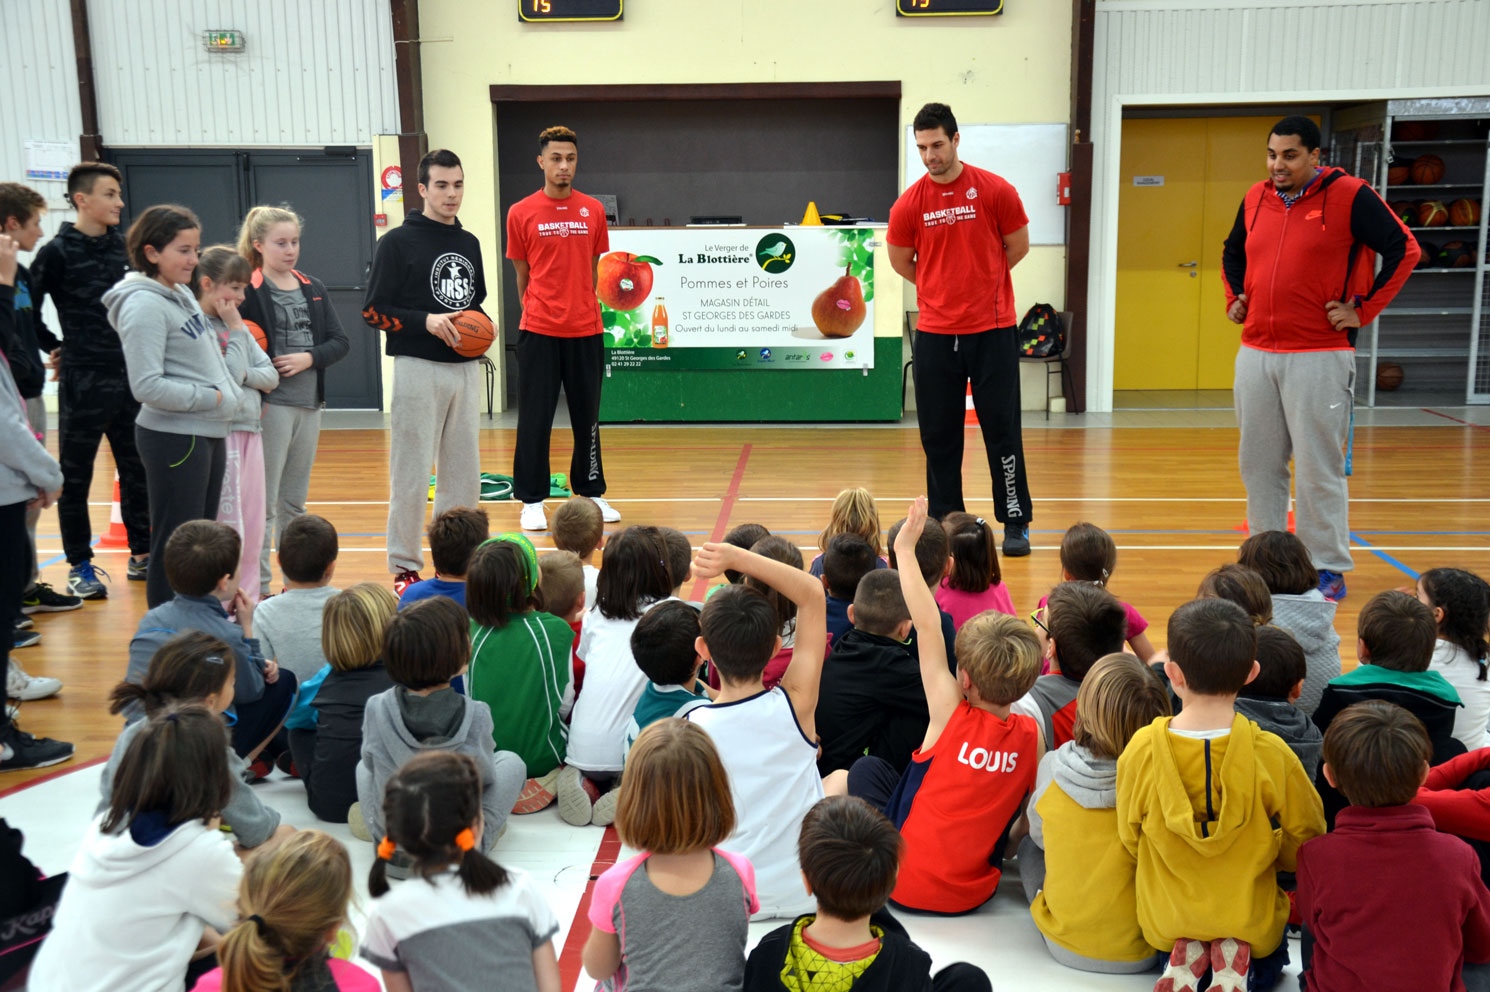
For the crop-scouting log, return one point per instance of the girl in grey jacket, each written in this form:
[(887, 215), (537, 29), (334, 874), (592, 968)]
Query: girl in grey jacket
[(177, 372)]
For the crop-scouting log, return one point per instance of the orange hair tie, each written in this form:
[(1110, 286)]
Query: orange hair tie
[(386, 849), (466, 840)]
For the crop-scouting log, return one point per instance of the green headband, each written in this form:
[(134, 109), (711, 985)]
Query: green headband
[(530, 554)]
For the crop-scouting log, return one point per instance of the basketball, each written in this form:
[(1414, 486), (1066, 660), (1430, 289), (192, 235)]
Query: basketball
[(476, 333), (1432, 213), (258, 335), (1415, 130), (1399, 172), (1406, 210), (1429, 257), (1464, 212), (1427, 170), (1388, 376), (1454, 255)]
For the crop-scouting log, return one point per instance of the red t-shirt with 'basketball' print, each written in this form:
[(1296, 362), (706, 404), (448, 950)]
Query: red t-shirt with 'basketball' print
[(559, 239)]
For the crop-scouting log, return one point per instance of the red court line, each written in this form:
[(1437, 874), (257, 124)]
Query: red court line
[(50, 776), (570, 962), (1478, 427), (721, 523)]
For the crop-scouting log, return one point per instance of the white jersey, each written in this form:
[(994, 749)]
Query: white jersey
[(613, 684), (773, 779)]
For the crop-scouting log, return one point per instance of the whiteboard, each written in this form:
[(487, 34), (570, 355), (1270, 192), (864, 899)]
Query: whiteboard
[(1030, 156)]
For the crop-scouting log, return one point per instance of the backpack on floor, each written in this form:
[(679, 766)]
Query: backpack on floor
[(1042, 333)]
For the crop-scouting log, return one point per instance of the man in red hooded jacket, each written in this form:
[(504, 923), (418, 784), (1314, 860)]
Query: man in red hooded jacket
[(1299, 273)]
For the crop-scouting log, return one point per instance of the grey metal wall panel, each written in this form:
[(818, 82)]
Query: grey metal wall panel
[(43, 102), (311, 73)]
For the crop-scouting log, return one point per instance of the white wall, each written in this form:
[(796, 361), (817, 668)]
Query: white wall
[(41, 98), (1234, 52)]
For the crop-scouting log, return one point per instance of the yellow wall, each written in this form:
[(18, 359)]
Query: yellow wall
[(1014, 68)]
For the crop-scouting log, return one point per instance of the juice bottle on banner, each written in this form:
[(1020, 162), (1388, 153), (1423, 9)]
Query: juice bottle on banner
[(659, 324)]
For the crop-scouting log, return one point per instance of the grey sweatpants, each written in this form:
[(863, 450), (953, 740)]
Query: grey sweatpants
[(435, 421), (36, 415), (290, 437), (1297, 404)]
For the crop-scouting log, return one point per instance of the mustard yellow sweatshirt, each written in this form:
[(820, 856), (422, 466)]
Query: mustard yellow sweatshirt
[(1210, 822)]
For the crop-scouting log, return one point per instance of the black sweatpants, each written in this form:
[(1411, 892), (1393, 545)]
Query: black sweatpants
[(185, 476), (93, 404), (15, 575), (544, 363), (944, 365)]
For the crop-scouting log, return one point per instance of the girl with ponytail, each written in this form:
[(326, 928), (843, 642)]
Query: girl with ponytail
[(463, 921), (192, 667), (1460, 601), (293, 901)]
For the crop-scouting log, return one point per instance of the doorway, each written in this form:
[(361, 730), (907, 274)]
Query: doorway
[(1182, 180), (330, 189)]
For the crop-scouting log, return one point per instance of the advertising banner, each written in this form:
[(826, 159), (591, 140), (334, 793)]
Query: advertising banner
[(738, 298)]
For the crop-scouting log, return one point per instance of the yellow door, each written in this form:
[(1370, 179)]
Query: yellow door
[(1172, 331)]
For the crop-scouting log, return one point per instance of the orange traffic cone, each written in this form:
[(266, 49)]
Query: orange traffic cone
[(1242, 527), (970, 419), (117, 537)]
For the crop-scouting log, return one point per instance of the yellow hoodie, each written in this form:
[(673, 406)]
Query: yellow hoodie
[(1210, 823)]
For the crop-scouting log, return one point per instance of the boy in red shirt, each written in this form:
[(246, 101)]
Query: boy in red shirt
[(976, 766), (555, 238), (1388, 903)]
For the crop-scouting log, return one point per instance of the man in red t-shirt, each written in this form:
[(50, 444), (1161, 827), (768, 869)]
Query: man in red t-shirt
[(555, 239), (956, 234)]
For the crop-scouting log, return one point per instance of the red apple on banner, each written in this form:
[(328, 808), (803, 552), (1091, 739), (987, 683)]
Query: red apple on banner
[(624, 280)]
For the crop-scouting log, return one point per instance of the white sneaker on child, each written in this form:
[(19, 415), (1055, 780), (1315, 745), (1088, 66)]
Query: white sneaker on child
[(533, 517), (608, 513), (577, 796)]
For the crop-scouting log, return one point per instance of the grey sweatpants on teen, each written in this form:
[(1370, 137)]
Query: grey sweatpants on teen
[(36, 415), (435, 421), (290, 437), (1297, 404)]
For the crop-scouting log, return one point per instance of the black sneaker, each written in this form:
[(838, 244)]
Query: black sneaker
[(42, 598), (138, 570), (19, 750), (1016, 540)]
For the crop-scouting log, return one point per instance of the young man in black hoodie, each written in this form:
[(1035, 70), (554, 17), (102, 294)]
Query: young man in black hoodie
[(21, 210), (75, 269), (424, 272)]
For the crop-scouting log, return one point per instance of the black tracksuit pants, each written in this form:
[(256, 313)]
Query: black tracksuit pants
[(185, 473), (944, 365), (544, 363), (94, 404)]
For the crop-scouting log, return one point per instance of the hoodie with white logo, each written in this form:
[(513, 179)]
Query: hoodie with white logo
[(171, 353), (131, 915)]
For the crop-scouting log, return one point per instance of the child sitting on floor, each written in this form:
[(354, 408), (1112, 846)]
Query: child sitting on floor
[(847, 559), (453, 535), (1242, 586), (665, 645), (1298, 605), (1075, 873), (1460, 602), (784, 551), (679, 558), (850, 854), (1386, 901), (933, 561), (975, 583), (1084, 622), (1088, 554), (853, 512), (967, 784), (289, 625), (1270, 699), (579, 527)]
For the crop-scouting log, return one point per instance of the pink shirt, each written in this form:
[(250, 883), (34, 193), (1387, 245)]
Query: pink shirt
[(348, 978), (963, 605)]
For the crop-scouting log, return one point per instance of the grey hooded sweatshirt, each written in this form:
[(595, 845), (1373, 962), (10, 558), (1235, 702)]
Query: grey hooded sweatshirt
[(1090, 781), (175, 364), (1310, 618), (1279, 716)]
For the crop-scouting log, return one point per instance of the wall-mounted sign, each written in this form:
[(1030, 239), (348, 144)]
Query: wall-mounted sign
[(1148, 180), (947, 8), (569, 10), (222, 40)]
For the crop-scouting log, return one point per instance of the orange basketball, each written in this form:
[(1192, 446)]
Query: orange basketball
[(1427, 170), (476, 333), (1389, 376), (1464, 212), (258, 335), (1415, 130), (1399, 172), (1432, 213)]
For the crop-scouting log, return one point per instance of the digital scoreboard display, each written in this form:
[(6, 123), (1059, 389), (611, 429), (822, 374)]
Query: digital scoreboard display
[(947, 8), (569, 10)]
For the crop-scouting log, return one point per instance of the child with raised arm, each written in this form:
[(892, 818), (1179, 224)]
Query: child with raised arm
[(1212, 808), (767, 738), (969, 780)]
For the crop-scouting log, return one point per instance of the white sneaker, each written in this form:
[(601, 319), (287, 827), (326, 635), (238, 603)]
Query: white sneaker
[(608, 513), (533, 517), (28, 688)]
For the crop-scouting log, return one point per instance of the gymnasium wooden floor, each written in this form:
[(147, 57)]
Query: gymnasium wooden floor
[(1171, 498)]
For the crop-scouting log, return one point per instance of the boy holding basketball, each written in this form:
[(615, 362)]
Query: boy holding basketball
[(424, 274)]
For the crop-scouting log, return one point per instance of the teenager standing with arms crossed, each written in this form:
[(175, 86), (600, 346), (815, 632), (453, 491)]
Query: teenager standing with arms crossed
[(75, 269), (423, 273), (955, 234), (555, 238)]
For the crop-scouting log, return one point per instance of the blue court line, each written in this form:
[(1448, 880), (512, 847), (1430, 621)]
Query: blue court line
[(1357, 539), (61, 558)]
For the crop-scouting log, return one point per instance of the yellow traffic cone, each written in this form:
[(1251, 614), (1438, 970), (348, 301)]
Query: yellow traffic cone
[(810, 218)]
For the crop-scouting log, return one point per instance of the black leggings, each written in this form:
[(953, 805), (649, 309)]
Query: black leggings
[(184, 473)]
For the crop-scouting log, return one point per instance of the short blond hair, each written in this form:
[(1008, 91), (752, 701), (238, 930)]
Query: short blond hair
[(675, 794), (1119, 695), (1000, 654), (352, 625)]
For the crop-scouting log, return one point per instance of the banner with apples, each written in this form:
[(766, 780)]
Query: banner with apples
[(738, 298)]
